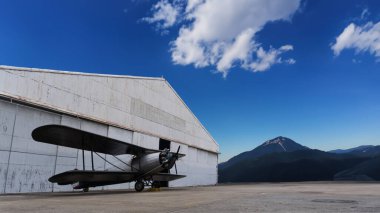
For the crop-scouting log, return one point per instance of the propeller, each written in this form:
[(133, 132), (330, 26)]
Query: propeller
[(169, 158), (176, 158)]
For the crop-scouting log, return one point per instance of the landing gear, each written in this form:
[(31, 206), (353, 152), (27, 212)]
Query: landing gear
[(86, 189), (156, 184), (139, 186)]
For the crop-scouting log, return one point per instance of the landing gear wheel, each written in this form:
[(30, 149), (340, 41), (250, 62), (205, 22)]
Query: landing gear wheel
[(86, 189), (156, 184), (139, 186)]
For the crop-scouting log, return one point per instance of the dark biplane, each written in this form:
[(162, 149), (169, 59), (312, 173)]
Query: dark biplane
[(146, 167)]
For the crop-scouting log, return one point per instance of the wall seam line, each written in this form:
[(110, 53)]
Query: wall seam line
[(10, 149)]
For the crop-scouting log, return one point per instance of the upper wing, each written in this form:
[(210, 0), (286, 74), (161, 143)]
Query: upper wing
[(79, 139)]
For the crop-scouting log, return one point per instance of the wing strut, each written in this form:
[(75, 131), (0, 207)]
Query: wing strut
[(132, 168), (92, 160), (109, 162), (84, 168), (83, 164)]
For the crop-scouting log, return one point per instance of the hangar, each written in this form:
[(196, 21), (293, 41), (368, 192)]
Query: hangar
[(143, 111)]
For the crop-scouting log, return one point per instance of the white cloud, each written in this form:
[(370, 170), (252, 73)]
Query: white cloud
[(221, 33), (240, 49), (360, 38), (165, 14), (266, 59)]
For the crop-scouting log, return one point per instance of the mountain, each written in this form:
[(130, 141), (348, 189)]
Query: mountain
[(276, 145), (358, 149), (368, 170), (282, 159), (364, 151), (301, 165)]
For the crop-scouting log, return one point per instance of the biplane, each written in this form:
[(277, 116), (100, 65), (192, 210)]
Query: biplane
[(147, 166)]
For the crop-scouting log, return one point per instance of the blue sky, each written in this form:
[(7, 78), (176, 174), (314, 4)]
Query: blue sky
[(308, 70)]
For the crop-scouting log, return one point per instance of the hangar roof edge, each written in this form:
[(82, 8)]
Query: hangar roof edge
[(195, 117), (6, 67)]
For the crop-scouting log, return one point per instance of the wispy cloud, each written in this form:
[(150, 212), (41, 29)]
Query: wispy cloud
[(165, 14), (265, 59), (365, 13), (364, 38)]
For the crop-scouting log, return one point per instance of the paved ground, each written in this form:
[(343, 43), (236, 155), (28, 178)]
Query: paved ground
[(263, 197)]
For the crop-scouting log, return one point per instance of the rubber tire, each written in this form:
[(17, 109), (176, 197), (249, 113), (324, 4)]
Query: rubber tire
[(86, 189), (139, 186)]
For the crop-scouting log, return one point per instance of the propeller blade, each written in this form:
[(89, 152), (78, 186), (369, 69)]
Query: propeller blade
[(179, 147), (175, 166)]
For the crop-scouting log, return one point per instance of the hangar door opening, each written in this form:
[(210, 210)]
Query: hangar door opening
[(164, 144)]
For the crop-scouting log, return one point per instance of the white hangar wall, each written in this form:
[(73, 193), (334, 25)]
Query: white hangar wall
[(133, 110), (147, 105)]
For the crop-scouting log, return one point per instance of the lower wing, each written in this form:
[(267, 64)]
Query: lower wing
[(74, 176), (166, 177)]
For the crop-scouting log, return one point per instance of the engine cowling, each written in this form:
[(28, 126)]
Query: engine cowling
[(154, 163)]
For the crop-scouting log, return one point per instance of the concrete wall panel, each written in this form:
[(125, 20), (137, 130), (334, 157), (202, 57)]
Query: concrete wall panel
[(120, 134), (96, 128), (29, 172), (183, 150), (71, 121), (7, 119), (146, 141), (27, 119), (31, 163), (5, 142), (4, 156), (67, 152), (199, 166), (202, 156)]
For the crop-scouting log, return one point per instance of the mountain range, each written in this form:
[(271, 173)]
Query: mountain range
[(365, 150), (282, 159), (276, 145)]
